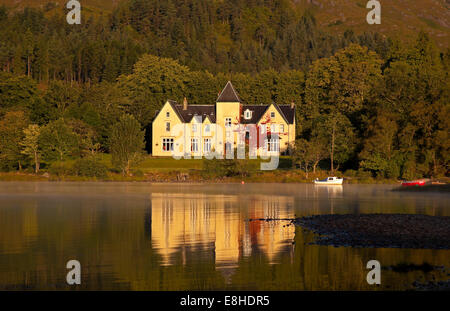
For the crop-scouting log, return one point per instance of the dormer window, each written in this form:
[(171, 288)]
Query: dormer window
[(247, 114)]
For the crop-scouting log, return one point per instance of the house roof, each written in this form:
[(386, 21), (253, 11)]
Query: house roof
[(288, 112), (194, 110), (257, 113), (228, 94), (174, 105), (198, 110), (209, 111)]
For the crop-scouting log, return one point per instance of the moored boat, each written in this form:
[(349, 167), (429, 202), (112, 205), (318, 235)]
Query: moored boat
[(417, 182), (329, 181)]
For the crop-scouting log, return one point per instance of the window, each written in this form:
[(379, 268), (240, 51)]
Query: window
[(273, 144), (272, 114), (194, 128), (167, 114), (228, 148), (207, 145), (167, 144), (273, 128), (227, 122), (167, 126), (281, 128), (247, 114), (207, 128), (194, 144)]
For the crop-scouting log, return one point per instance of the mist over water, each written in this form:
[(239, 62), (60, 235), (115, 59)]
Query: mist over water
[(142, 236)]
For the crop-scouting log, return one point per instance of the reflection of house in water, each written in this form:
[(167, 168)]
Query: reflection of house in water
[(200, 222)]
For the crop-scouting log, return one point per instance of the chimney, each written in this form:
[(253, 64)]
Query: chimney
[(292, 104), (185, 104)]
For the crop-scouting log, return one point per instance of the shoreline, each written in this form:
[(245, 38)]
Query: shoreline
[(198, 177), (412, 231), (439, 188), (279, 176)]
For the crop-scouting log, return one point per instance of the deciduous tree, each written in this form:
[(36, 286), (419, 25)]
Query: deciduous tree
[(11, 135), (126, 143), (30, 145), (58, 141)]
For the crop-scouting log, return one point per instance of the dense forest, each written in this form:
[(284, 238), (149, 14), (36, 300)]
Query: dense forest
[(364, 103), (229, 36)]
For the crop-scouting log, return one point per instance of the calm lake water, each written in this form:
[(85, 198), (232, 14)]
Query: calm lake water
[(140, 236)]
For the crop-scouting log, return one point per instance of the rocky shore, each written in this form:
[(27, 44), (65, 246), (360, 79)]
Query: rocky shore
[(428, 188), (380, 230), (432, 286)]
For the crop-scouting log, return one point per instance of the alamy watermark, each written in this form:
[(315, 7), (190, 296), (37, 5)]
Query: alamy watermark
[(374, 16), (374, 275), (264, 143), (74, 15), (73, 277)]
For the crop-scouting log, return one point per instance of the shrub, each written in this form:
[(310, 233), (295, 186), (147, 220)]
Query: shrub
[(227, 167), (137, 173), (60, 169), (90, 167), (350, 173), (363, 174)]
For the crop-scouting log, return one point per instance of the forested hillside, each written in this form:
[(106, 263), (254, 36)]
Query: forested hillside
[(400, 18), (229, 36), (364, 102)]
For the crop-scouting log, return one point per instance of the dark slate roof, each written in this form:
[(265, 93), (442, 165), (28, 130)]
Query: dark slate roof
[(197, 110), (257, 113), (228, 94), (210, 111), (288, 112), (174, 105), (194, 110)]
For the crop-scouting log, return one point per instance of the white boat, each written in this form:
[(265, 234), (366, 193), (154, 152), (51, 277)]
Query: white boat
[(329, 181)]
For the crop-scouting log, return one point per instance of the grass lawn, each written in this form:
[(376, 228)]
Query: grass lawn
[(153, 169), (169, 164)]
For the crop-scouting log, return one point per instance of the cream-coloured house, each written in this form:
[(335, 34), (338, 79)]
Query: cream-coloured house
[(220, 129)]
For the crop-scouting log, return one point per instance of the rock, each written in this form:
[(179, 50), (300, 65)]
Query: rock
[(380, 230)]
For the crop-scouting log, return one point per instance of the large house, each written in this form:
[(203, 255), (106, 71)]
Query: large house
[(220, 129)]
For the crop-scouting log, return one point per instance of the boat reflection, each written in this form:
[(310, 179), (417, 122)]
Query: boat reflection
[(330, 191)]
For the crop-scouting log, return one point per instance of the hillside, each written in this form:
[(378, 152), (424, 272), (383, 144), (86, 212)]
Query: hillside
[(107, 5), (400, 18), (91, 7)]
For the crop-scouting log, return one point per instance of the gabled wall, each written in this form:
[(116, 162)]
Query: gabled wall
[(159, 129)]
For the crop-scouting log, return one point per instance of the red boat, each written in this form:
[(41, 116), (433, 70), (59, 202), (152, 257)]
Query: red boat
[(418, 182)]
